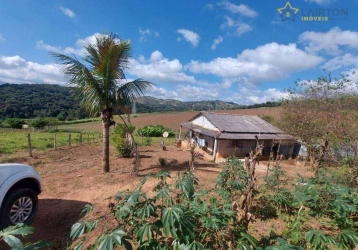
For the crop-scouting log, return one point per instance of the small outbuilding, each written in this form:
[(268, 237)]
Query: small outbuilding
[(224, 135)]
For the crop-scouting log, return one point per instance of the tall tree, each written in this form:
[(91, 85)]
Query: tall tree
[(321, 113), (99, 81)]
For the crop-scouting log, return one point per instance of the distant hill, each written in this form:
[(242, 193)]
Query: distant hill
[(150, 104), (45, 100)]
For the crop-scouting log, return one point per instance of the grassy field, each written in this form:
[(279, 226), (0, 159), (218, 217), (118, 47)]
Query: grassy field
[(11, 142), (15, 141)]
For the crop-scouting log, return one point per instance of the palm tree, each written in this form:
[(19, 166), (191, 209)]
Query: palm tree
[(99, 81)]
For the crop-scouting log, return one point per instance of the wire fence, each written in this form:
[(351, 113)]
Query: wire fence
[(12, 141)]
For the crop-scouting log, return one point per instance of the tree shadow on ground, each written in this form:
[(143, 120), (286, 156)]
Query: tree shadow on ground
[(174, 165), (54, 220)]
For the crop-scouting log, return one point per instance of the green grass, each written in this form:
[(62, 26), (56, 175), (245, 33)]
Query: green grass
[(16, 140), (11, 142), (156, 141)]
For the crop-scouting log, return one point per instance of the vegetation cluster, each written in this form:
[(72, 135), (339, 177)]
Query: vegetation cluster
[(154, 131)]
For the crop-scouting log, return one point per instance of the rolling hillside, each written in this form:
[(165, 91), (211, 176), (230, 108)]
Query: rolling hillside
[(44, 100)]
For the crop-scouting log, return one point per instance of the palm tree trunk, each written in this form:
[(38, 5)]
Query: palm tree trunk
[(105, 162)]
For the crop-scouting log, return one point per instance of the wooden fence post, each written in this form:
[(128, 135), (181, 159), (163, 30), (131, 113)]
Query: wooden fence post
[(81, 138), (88, 137), (93, 137), (54, 141), (69, 140), (29, 144)]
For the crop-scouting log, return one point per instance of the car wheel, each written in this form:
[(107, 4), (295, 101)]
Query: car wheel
[(19, 206)]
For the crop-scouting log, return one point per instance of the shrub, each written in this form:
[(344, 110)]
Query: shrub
[(38, 123), (120, 142), (15, 123), (154, 131), (268, 118), (120, 130), (162, 161), (123, 148), (147, 141)]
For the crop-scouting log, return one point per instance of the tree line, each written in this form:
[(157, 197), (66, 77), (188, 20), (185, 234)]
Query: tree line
[(27, 101)]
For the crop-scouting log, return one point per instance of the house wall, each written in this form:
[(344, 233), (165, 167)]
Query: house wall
[(226, 148), (209, 142), (203, 122)]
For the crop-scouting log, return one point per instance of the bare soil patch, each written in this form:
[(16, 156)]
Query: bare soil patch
[(171, 120)]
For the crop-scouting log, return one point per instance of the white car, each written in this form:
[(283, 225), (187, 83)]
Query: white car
[(19, 186)]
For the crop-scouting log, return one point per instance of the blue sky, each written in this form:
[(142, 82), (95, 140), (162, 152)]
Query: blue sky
[(240, 51)]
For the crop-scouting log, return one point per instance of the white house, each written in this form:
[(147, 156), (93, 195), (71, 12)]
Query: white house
[(224, 135)]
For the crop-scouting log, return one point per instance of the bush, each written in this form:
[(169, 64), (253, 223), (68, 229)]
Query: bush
[(120, 142), (268, 118), (147, 141), (15, 123), (123, 148), (154, 131), (120, 130), (162, 161), (38, 123)]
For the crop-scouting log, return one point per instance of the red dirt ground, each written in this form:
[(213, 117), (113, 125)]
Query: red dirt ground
[(72, 178), (173, 120)]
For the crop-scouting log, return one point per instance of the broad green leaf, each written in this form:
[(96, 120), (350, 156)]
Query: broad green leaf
[(87, 209), (77, 230), (38, 245), (13, 242)]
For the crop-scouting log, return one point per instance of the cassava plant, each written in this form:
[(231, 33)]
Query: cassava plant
[(175, 216), (10, 236)]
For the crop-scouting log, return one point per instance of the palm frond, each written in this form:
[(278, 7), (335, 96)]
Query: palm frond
[(90, 92), (96, 79), (128, 92)]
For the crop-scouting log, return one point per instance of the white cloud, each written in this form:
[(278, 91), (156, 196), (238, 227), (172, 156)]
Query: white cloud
[(209, 6), (225, 84), (239, 27), (160, 69), (67, 12), (143, 32), (77, 50), (14, 69), (320, 2), (217, 41), (156, 56), (41, 45), (2, 38), (190, 36), (352, 75), (243, 28), (268, 62), (162, 93), (198, 93), (341, 62), (248, 94), (242, 9), (330, 41)]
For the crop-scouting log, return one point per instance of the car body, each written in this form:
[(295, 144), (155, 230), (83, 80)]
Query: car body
[(19, 186)]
